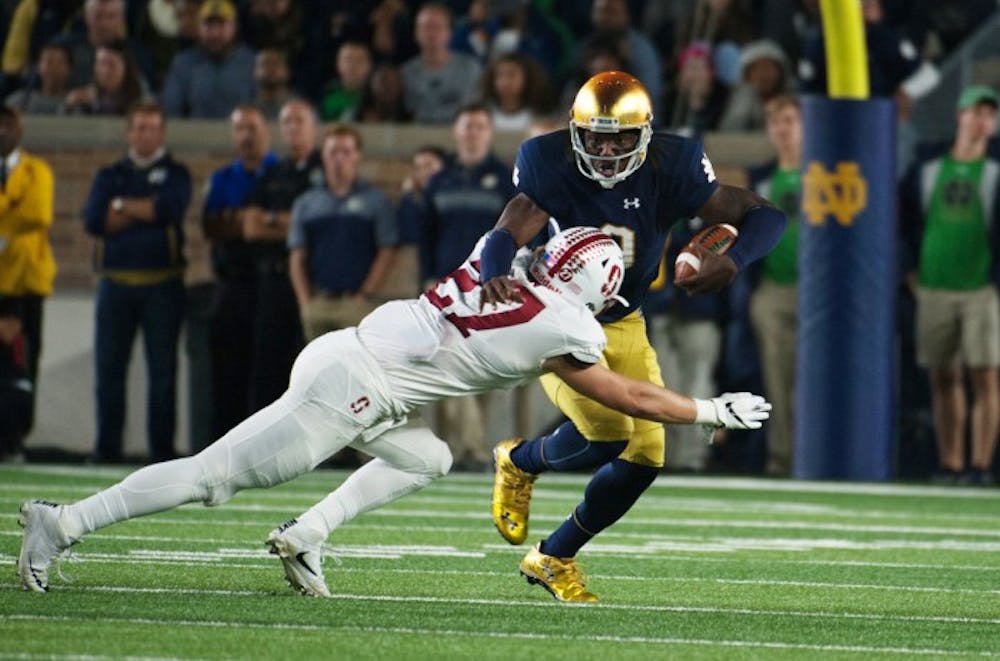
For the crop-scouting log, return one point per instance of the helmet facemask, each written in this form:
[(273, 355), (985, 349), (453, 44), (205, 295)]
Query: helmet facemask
[(610, 103), (623, 164)]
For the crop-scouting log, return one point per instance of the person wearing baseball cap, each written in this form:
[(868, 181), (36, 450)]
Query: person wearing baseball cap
[(218, 10), (211, 78), (949, 204), (975, 94)]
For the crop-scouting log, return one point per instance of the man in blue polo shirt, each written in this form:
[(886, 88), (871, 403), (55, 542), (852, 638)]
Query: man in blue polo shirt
[(343, 239), (136, 210), (234, 266)]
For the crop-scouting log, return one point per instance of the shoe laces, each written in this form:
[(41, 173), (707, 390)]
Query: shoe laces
[(326, 551), (64, 556)]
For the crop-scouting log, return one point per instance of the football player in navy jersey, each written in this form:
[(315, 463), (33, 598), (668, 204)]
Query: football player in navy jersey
[(608, 170)]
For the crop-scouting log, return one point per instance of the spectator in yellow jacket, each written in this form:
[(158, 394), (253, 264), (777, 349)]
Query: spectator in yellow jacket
[(27, 268)]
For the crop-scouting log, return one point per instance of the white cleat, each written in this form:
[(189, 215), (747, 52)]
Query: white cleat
[(44, 540), (301, 559)]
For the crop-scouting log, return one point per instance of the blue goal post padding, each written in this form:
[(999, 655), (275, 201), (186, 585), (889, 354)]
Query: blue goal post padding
[(847, 285)]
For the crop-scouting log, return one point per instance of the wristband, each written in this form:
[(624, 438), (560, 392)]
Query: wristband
[(705, 412), (760, 231), (497, 255)]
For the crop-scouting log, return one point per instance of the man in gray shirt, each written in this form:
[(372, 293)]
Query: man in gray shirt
[(437, 82), (212, 78)]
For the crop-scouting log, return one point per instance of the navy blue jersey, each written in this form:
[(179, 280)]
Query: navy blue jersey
[(673, 183)]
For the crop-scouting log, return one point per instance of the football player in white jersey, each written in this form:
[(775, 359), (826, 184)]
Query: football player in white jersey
[(356, 386)]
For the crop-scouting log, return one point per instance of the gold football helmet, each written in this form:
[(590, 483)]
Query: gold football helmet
[(611, 102)]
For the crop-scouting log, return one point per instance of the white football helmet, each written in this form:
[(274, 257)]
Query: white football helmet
[(583, 264), (611, 102)]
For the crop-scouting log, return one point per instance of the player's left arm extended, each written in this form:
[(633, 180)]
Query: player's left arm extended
[(760, 224), (641, 399)]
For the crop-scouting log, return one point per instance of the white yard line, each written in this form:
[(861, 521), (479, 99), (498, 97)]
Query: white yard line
[(664, 507), (330, 479), (218, 560), (666, 521), (570, 637), (653, 546), (200, 559)]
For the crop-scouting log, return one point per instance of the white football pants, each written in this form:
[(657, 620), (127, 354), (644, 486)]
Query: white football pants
[(290, 437)]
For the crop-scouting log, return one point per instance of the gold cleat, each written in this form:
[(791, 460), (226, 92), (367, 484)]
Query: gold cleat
[(511, 493), (562, 577)]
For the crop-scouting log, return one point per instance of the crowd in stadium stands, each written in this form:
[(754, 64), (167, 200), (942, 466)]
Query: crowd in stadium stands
[(484, 66)]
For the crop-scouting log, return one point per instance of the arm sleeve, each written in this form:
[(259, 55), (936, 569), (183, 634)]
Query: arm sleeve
[(174, 197), (524, 177), (95, 209), (296, 229), (760, 231)]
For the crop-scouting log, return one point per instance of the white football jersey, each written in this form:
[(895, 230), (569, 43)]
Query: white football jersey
[(441, 345)]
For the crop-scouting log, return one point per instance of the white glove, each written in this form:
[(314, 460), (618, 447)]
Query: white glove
[(733, 410)]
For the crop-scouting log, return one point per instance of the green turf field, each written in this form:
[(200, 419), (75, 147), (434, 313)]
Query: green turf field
[(705, 568)]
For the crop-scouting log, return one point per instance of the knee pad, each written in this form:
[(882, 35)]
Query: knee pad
[(440, 463), (217, 479), (414, 450)]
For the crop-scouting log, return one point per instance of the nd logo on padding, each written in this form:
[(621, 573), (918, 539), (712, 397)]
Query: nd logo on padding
[(842, 193)]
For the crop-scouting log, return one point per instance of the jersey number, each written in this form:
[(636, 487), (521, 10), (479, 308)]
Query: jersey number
[(625, 238), (465, 325)]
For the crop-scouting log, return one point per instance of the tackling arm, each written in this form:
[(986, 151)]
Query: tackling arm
[(520, 220), (641, 399)]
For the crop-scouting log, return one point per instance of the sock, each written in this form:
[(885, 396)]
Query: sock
[(565, 449), (611, 492), (151, 489)]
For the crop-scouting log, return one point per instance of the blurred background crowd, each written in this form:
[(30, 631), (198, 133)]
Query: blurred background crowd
[(316, 72)]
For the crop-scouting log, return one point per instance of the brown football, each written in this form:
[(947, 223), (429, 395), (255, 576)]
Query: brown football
[(717, 238)]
